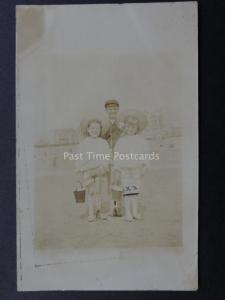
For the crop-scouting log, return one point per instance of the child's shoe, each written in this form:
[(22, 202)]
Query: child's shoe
[(103, 216), (128, 218), (91, 218), (137, 216)]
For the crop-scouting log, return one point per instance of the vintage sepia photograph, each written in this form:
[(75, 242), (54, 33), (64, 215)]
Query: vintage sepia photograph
[(107, 146)]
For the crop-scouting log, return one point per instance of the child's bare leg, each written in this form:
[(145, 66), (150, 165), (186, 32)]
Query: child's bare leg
[(135, 206), (115, 207), (127, 202), (117, 204), (98, 202), (112, 208), (91, 215), (115, 181)]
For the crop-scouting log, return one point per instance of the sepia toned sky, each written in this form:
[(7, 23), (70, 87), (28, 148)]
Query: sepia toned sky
[(85, 57)]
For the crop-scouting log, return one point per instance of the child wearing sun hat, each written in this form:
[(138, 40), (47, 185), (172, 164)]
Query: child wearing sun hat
[(131, 170), (92, 171)]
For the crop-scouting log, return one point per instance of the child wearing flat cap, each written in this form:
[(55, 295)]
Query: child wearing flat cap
[(112, 136)]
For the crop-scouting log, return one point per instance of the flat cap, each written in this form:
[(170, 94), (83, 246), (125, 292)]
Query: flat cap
[(111, 101)]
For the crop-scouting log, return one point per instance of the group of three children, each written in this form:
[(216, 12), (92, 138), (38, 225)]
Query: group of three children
[(122, 176)]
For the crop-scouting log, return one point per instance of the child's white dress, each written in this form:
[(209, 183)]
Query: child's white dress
[(131, 169), (88, 165)]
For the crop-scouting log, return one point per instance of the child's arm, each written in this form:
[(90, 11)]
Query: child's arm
[(79, 180)]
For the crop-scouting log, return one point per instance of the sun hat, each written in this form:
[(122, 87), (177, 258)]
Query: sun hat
[(95, 118), (133, 113)]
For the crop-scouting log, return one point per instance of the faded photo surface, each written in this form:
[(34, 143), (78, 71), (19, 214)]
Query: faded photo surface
[(107, 190)]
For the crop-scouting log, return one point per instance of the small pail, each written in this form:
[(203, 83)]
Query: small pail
[(79, 196)]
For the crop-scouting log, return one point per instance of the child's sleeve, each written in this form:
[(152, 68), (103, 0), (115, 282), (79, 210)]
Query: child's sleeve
[(82, 162), (78, 162)]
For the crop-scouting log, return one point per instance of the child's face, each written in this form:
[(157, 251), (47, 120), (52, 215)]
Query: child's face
[(94, 129), (112, 111), (131, 126)]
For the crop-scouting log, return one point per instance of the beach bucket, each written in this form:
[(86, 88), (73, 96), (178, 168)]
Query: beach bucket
[(79, 196)]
